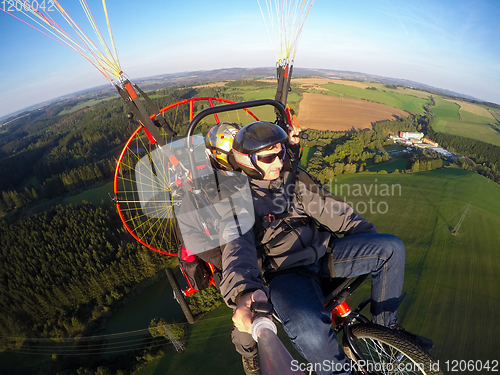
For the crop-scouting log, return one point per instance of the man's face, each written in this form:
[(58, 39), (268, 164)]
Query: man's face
[(270, 162)]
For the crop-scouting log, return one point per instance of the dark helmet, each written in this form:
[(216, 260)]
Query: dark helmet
[(218, 142), (253, 138)]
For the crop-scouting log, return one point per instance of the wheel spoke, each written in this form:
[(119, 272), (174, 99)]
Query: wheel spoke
[(387, 352)]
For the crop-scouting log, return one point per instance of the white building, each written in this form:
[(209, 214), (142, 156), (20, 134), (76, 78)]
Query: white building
[(409, 135)]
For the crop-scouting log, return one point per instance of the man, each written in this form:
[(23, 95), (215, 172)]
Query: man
[(281, 259)]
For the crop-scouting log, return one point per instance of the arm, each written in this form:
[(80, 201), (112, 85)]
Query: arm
[(241, 277), (240, 270)]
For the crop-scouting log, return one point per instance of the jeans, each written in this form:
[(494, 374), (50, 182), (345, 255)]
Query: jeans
[(298, 300)]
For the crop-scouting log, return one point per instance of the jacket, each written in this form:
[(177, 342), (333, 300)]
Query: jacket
[(278, 243)]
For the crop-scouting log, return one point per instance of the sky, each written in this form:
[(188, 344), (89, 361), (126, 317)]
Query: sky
[(453, 45)]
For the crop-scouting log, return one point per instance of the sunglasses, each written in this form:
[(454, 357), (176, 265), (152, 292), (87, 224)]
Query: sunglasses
[(269, 158)]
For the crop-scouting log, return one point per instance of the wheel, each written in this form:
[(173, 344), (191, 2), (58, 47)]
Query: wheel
[(389, 352), (179, 296)]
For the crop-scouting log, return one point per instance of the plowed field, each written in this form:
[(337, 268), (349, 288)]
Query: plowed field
[(324, 112)]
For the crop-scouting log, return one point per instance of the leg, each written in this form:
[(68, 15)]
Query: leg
[(298, 301), (247, 347), (244, 343), (383, 256)]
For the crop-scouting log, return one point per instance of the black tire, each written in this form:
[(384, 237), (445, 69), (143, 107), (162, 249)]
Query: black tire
[(390, 352), (179, 296)]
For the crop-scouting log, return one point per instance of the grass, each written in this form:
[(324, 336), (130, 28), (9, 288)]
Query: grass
[(463, 123), (208, 349), (94, 196), (307, 154), (84, 104), (445, 110), (496, 113), (451, 280), (390, 166), (480, 132), (254, 93), (391, 98)]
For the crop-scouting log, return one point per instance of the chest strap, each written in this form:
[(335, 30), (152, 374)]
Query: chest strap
[(286, 226)]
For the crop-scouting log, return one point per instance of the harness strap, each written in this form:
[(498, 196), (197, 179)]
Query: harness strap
[(291, 225)]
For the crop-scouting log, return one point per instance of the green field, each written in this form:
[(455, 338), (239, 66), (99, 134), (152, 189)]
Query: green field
[(255, 93), (452, 281), (208, 349), (390, 166), (94, 196), (392, 98), (463, 123), (496, 113), (84, 104), (449, 117)]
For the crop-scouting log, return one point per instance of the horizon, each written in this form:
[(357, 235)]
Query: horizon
[(447, 45), (89, 90)]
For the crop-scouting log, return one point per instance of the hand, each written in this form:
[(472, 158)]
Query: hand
[(242, 317), (293, 136)]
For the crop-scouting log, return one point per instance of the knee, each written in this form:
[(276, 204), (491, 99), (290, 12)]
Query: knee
[(395, 246)]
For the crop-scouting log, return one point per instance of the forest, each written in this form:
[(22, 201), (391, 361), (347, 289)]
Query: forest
[(64, 269), (47, 154)]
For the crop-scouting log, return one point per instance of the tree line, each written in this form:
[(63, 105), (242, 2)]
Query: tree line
[(480, 157), (336, 153), (339, 153)]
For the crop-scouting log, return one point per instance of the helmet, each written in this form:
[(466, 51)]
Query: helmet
[(253, 138), (218, 142)]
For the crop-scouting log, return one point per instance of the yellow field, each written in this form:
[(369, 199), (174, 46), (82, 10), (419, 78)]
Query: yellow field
[(323, 81), (323, 112), (217, 84)]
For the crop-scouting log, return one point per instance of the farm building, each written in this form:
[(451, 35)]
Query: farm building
[(427, 140), (442, 151), (422, 145), (411, 135)]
